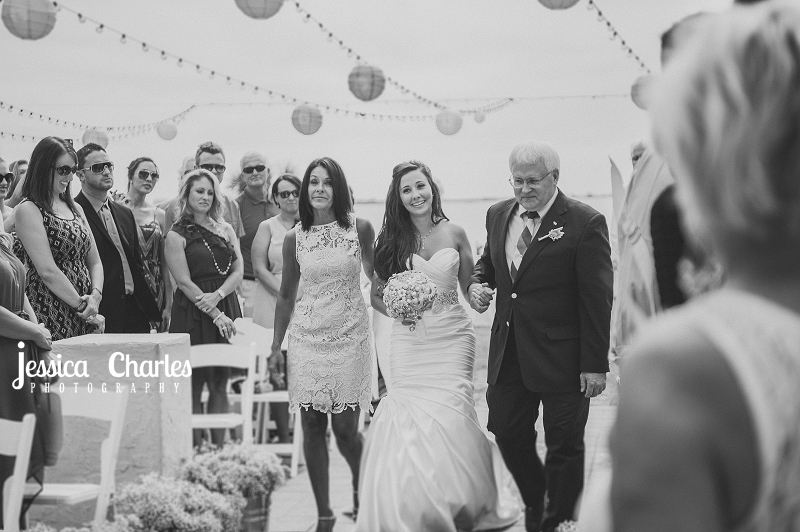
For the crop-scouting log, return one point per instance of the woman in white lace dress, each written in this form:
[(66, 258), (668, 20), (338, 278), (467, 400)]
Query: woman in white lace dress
[(708, 429), (330, 359)]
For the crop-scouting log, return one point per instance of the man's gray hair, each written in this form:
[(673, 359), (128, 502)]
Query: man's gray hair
[(534, 152)]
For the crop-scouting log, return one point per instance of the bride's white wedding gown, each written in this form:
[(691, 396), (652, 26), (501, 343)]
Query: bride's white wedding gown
[(427, 465)]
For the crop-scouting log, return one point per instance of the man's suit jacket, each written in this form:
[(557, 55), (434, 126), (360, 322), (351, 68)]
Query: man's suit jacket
[(561, 298), (113, 305)]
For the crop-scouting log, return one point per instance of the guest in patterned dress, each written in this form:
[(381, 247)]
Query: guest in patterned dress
[(707, 435), (330, 360), (143, 176), (267, 255), (65, 275), (203, 256)]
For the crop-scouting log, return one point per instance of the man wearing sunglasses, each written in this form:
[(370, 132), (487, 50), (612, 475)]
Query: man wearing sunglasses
[(210, 157), (127, 304), (254, 207)]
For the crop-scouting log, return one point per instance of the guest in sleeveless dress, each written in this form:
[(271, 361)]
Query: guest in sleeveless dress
[(708, 429), (267, 254), (65, 275), (330, 360), (428, 464), (202, 255), (151, 230), (18, 325)]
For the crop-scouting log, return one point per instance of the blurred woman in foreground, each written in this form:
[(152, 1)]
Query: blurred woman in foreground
[(708, 429)]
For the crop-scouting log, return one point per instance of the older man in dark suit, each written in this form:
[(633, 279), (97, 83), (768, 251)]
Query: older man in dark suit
[(549, 258), (127, 303)]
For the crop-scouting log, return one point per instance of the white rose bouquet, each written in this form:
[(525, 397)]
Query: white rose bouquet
[(408, 294)]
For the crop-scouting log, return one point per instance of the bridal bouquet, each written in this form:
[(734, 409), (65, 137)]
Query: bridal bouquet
[(408, 294)]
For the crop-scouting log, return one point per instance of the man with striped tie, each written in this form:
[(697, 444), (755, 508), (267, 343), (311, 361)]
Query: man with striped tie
[(549, 259)]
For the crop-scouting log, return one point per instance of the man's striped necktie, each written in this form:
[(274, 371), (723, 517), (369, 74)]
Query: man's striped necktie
[(524, 241)]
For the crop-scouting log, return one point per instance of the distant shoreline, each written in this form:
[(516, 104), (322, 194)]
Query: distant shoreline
[(371, 201)]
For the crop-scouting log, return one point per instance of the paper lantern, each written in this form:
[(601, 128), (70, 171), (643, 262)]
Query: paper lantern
[(641, 91), (366, 82), (167, 130), (306, 119), (448, 122), (558, 4), (29, 19), (97, 136), (480, 117), (259, 8)]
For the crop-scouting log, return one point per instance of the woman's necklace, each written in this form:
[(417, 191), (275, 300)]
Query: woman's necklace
[(230, 258), (422, 241)]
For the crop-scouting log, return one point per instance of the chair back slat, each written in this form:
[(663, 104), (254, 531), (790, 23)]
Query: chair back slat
[(14, 486)]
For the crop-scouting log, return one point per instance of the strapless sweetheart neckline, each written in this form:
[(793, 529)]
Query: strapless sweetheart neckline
[(435, 254)]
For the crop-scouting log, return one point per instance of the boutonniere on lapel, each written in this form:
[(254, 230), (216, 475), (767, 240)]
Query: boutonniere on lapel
[(554, 234)]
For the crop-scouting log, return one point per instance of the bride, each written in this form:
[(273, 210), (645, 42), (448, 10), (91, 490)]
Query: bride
[(427, 464)]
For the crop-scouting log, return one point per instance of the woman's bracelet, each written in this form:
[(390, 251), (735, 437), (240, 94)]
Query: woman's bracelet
[(98, 291), (220, 315)]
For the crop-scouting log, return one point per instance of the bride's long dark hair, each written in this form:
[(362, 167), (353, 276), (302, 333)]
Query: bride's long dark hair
[(398, 237)]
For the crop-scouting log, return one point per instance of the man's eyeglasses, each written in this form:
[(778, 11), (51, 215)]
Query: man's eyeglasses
[(257, 168), (99, 168), (518, 182), (65, 170), (213, 167), (145, 174), (286, 193), (9, 177)]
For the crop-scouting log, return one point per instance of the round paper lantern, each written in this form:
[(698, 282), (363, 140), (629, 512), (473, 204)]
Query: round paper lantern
[(558, 4), (448, 122), (480, 117), (641, 91), (306, 119), (97, 136), (366, 82), (167, 130), (29, 19), (259, 8)]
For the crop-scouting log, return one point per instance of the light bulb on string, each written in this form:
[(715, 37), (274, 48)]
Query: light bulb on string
[(99, 29), (81, 18), (180, 61), (123, 39), (163, 55), (144, 47)]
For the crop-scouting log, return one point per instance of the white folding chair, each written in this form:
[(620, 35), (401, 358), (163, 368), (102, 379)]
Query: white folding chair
[(247, 331), (81, 403), (16, 441), (235, 356)]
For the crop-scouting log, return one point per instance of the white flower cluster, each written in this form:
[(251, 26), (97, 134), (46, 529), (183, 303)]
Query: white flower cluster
[(408, 294)]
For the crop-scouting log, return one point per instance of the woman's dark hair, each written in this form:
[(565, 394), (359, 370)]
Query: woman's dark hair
[(342, 201), (185, 213), (291, 178), (398, 238), (38, 186), (135, 164)]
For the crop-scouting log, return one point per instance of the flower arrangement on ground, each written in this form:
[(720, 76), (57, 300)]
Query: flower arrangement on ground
[(408, 295)]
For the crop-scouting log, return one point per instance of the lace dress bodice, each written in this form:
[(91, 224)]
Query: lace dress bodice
[(329, 336)]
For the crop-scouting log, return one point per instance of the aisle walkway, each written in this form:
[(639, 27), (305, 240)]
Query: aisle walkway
[(293, 508)]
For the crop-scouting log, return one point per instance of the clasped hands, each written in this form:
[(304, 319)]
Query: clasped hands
[(208, 301), (480, 296)]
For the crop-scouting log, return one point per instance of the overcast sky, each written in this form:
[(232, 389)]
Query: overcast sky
[(462, 54)]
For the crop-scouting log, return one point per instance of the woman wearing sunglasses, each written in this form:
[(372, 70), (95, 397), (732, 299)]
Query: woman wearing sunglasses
[(268, 264), (6, 178), (65, 275), (151, 231)]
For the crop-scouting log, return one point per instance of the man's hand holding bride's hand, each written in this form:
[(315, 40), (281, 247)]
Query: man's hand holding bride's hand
[(480, 296)]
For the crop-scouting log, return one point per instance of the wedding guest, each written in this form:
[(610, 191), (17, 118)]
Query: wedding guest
[(151, 232), (6, 179), (65, 274), (203, 256), (127, 305), (548, 256), (210, 157), (267, 255), (14, 193), (708, 429), (19, 326), (170, 206), (252, 185), (329, 366)]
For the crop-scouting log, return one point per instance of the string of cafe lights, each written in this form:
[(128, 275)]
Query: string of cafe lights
[(591, 5), (214, 74), (137, 128), (333, 38)]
